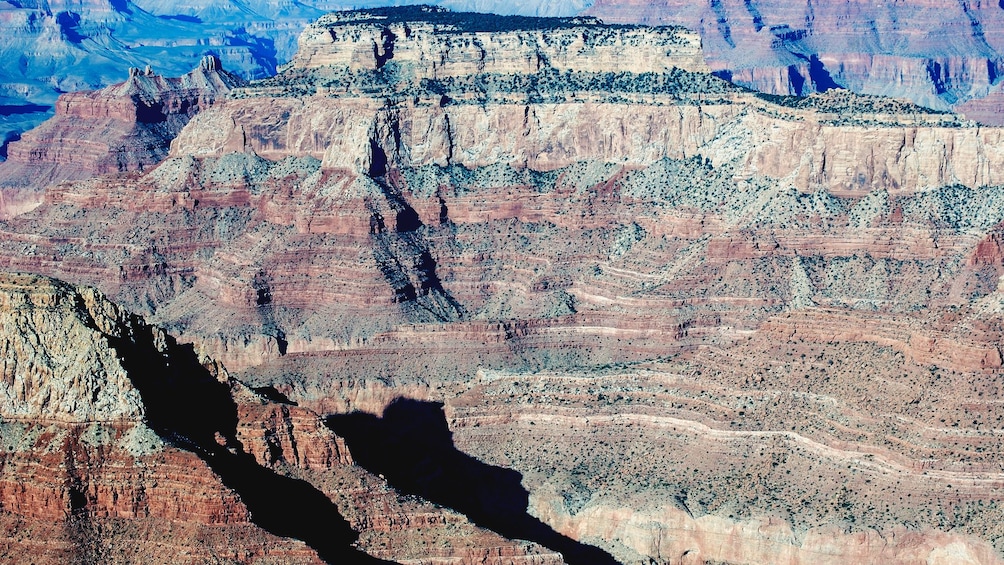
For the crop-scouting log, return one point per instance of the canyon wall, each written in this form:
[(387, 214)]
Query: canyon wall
[(580, 280), (52, 48), (936, 53), (748, 136), (119, 446), (85, 474), (480, 43)]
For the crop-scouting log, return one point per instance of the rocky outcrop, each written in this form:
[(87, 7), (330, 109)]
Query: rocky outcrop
[(119, 446), (125, 127), (808, 147), (369, 92), (413, 39), (66, 389), (55, 47), (819, 488), (88, 474)]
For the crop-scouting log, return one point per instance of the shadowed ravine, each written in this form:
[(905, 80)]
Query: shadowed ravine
[(189, 408), (404, 257), (412, 447)]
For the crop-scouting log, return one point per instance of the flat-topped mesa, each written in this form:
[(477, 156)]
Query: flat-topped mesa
[(375, 90), (435, 43)]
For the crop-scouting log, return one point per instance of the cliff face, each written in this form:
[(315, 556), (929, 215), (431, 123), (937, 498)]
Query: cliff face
[(476, 44), (583, 280), (85, 474), (814, 149), (547, 99), (119, 446), (936, 53)]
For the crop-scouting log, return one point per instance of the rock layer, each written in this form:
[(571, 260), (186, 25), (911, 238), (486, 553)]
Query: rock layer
[(102, 461), (809, 149), (85, 477), (821, 433), (479, 43)]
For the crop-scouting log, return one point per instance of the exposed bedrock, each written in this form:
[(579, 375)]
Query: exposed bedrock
[(450, 44), (100, 461), (810, 148), (119, 445), (573, 263), (260, 258), (791, 452)]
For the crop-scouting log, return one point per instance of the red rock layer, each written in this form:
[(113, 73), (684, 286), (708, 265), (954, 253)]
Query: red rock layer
[(64, 499), (228, 475), (271, 271)]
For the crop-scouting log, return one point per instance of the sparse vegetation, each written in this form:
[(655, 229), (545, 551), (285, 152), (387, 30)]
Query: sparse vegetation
[(466, 22), (846, 108)]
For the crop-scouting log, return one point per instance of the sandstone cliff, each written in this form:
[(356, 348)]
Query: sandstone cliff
[(480, 43), (814, 149), (365, 94)]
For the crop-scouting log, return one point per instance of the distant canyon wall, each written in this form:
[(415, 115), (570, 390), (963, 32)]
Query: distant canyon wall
[(938, 53)]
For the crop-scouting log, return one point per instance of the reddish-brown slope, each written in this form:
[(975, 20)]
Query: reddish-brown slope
[(119, 446)]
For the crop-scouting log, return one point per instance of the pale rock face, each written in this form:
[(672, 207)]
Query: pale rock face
[(422, 46), (57, 364), (672, 535), (805, 148), (813, 146)]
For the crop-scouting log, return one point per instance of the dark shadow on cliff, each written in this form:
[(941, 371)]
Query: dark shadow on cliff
[(412, 447), (187, 406), (405, 258)]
